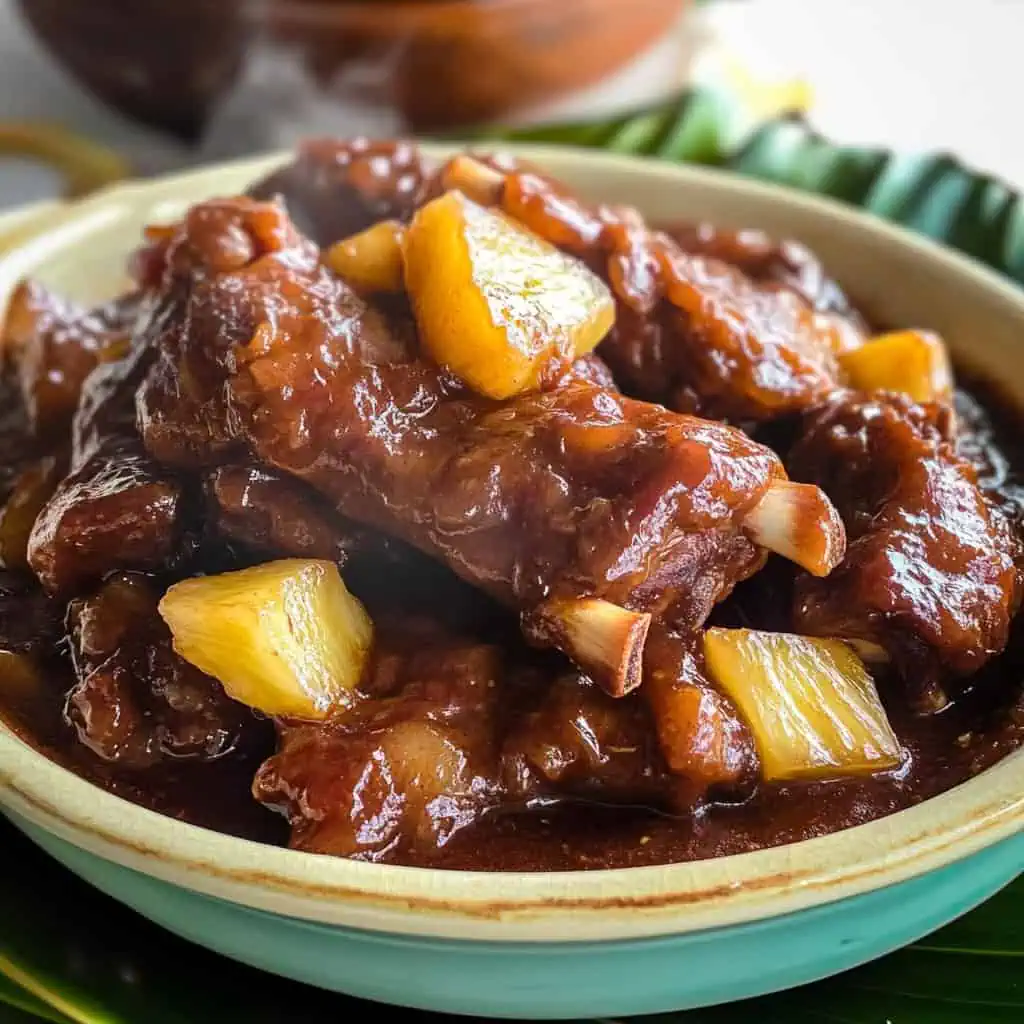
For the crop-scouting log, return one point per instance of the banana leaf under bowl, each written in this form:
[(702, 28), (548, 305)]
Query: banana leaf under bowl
[(576, 943)]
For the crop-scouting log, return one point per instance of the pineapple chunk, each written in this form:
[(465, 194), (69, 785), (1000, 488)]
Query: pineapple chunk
[(810, 703), (496, 304), (913, 362), (286, 638), (371, 262)]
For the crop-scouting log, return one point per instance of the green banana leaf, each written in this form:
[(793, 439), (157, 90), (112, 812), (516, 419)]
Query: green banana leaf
[(69, 954)]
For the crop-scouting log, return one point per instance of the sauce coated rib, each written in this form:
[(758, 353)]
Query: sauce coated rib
[(932, 570), (558, 503)]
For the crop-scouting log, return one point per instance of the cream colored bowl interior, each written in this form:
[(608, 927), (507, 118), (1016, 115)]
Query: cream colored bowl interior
[(900, 279)]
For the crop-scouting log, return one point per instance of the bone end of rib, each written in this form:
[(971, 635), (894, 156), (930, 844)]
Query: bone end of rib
[(605, 640), (473, 179), (798, 522)]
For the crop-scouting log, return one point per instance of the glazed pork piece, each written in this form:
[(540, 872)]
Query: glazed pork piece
[(785, 264), (334, 188), (731, 340), (47, 348), (116, 508), (136, 702), (54, 345), (587, 512), (448, 731), (267, 511), (408, 769), (932, 572)]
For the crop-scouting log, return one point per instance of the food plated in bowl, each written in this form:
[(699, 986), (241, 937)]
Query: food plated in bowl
[(557, 691)]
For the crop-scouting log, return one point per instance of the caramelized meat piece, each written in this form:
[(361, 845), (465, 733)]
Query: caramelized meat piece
[(29, 620), (723, 345), (399, 774), (694, 332), (930, 573), (580, 742), (271, 512), (549, 498), (116, 508), (702, 736), (335, 189), (55, 345), (136, 701), (785, 263), (31, 489), (233, 265)]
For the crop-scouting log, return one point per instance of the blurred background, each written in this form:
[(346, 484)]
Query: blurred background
[(149, 85)]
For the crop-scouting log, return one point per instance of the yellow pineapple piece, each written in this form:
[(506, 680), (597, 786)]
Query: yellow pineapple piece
[(286, 638), (493, 302), (371, 261), (810, 703), (915, 363)]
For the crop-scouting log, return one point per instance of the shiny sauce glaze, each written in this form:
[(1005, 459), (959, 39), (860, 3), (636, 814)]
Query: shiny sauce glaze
[(255, 407), (982, 726)]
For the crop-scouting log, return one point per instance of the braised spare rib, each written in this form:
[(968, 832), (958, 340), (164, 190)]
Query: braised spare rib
[(586, 511)]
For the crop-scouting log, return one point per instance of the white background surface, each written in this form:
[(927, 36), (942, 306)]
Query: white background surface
[(910, 74)]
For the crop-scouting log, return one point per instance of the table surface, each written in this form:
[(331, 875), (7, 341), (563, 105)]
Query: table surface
[(910, 75)]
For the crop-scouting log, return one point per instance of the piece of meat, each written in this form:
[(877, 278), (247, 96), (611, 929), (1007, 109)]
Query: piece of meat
[(931, 571), (116, 508), (335, 189), (136, 701), (272, 513), (448, 730), (786, 263), (55, 344), (579, 742), (403, 772), (221, 265), (693, 332), (29, 620), (542, 501), (703, 739)]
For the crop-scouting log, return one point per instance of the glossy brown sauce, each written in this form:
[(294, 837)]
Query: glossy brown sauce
[(980, 728)]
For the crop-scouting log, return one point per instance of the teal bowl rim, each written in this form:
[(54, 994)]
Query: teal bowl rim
[(600, 905)]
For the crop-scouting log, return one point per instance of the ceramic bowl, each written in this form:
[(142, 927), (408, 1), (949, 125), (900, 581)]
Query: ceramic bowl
[(563, 944)]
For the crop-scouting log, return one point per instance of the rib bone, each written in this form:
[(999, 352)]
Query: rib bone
[(605, 640), (798, 522)]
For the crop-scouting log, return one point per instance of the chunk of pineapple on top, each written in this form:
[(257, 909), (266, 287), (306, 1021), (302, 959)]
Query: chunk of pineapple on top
[(287, 638), (914, 363), (810, 703), (494, 303), (371, 261)]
